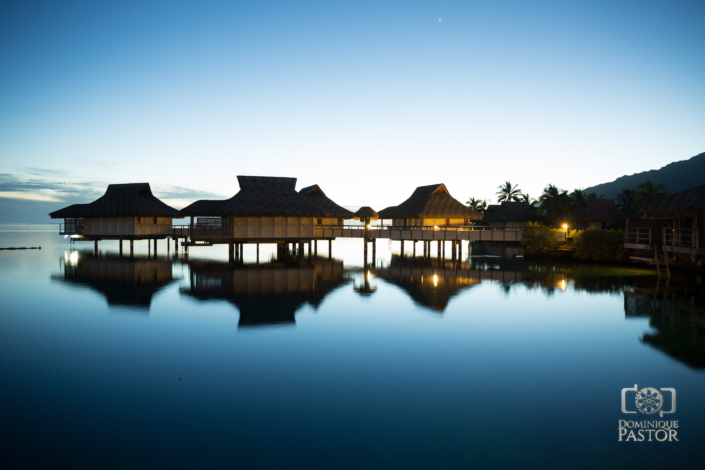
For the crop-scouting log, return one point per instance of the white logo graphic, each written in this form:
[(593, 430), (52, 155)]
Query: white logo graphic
[(649, 400)]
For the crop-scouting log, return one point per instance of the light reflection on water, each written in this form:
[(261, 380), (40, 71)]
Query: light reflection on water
[(493, 362)]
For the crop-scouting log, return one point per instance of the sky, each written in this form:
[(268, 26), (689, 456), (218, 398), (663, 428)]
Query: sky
[(367, 99)]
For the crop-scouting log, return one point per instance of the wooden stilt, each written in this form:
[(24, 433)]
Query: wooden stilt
[(257, 253), (402, 248), (438, 251), (96, 247), (121, 247), (155, 247), (231, 252), (413, 251), (168, 245), (364, 242), (315, 248), (132, 248), (330, 249), (374, 252)]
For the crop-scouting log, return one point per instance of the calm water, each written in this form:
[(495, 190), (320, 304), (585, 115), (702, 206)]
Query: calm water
[(112, 362)]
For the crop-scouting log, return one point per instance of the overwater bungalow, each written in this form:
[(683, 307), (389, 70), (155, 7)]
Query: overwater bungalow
[(594, 213), (430, 206), (507, 214), (265, 210), (366, 215), (124, 212), (331, 213)]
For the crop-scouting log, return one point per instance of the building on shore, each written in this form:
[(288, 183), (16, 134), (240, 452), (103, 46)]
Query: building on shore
[(507, 214), (124, 212), (265, 210), (594, 213), (331, 213), (430, 206)]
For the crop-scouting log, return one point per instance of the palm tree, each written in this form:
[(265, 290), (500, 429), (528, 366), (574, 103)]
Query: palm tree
[(478, 205), (576, 198), (526, 198), (626, 201), (508, 193), (554, 202), (648, 193)]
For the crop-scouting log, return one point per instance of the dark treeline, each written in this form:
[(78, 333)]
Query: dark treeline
[(554, 202)]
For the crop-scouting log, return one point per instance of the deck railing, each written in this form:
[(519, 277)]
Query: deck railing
[(447, 228), (205, 230), (685, 237), (638, 235)]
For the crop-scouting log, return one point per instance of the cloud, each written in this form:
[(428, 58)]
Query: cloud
[(28, 196), (179, 192)]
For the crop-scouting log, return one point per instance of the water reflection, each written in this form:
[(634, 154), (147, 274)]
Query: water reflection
[(269, 293), (124, 282), (675, 313)]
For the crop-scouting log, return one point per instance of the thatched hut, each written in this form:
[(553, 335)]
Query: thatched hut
[(331, 213), (125, 211), (430, 206), (266, 209), (507, 214), (366, 214), (594, 213)]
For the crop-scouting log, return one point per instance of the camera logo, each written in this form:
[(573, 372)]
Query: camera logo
[(649, 400)]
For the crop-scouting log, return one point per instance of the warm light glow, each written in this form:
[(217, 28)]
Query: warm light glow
[(435, 228), (368, 226), (73, 258), (565, 227), (562, 284), (368, 276), (435, 280)]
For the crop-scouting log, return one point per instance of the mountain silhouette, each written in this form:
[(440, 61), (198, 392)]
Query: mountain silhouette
[(677, 176)]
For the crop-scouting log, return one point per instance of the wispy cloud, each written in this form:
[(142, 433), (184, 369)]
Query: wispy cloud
[(179, 192), (27, 196)]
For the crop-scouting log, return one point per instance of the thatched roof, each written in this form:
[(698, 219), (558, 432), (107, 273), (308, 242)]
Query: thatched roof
[(259, 196), (595, 210), (120, 200), (431, 201), (508, 212), (688, 203), (316, 195), (366, 212)]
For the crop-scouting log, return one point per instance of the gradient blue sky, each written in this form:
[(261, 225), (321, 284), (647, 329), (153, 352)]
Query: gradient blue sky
[(367, 99)]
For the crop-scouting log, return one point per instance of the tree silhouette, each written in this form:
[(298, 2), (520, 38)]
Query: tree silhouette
[(648, 193), (508, 193), (554, 202), (478, 205), (626, 201)]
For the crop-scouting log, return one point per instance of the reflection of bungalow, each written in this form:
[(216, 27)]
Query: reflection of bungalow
[(507, 214), (331, 213), (430, 206), (124, 282), (265, 210), (675, 225), (265, 294), (125, 211), (594, 213), (675, 320)]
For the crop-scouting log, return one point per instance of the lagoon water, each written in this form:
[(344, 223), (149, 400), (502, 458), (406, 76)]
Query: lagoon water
[(111, 362)]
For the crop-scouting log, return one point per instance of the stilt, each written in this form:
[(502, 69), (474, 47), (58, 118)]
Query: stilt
[(121, 247), (453, 246), (438, 251), (364, 242), (96, 247), (413, 251), (424, 248), (168, 245), (315, 248), (132, 248), (330, 249), (374, 251), (460, 251), (402, 248), (257, 253), (231, 252), (309, 248), (176, 245), (155, 247)]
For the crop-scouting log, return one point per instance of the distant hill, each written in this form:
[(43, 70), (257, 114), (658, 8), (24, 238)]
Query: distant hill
[(677, 176)]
